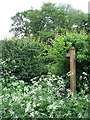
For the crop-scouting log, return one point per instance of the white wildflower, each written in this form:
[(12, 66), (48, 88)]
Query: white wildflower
[(13, 61), (34, 105), (75, 104), (86, 96), (35, 83), (69, 92), (45, 79), (20, 90), (51, 115), (8, 59), (33, 79), (32, 114), (49, 99), (8, 95), (55, 79), (60, 77), (12, 77), (21, 81), (25, 95), (86, 86), (85, 78), (2, 79), (3, 62), (5, 99), (38, 104), (26, 89), (18, 86), (14, 83), (22, 105), (61, 102), (80, 77), (1, 96), (40, 79), (40, 97), (84, 73), (52, 106), (69, 73), (33, 92), (15, 66), (49, 73), (40, 87), (11, 112), (49, 83), (88, 100), (28, 107), (61, 89), (80, 115), (34, 98), (15, 98), (69, 112), (53, 75), (50, 79), (43, 114), (4, 89), (9, 72), (59, 81), (36, 112)]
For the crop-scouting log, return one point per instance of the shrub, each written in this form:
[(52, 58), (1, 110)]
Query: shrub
[(46, 98), (24, 58), (60, 63)]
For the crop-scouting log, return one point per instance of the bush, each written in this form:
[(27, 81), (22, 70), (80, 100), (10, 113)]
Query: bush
[(60, 63), (24, 58), (46, 98)]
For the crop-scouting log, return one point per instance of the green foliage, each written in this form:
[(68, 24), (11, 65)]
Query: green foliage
[(46, 98), (61, 45), (45, 36), (48, 19), (24, 58)]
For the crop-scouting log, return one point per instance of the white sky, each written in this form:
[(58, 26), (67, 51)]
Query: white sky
[(9, 8)]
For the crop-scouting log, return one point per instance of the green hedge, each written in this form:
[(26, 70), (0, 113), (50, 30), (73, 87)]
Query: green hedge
[(25, 59)]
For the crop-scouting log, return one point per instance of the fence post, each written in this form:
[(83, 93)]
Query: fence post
[(73, 70)]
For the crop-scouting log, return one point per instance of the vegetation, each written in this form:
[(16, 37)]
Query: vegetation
[(25, 59), (46, 98), (35, 69), (60, 63), (46, 21)]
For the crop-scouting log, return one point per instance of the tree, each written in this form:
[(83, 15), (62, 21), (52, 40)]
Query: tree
[(48, 19)]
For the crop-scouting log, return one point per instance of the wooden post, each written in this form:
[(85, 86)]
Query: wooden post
[(73, 70)]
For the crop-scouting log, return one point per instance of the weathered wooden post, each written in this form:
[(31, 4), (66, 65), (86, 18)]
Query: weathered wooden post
[(73, 70)]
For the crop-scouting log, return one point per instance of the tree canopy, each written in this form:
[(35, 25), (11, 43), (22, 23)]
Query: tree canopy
[(46, 21)]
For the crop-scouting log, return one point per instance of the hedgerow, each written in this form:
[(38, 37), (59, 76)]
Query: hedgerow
[(24, 58)]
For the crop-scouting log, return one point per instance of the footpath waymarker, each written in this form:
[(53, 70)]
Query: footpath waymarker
[(72, 56), (73, 70)]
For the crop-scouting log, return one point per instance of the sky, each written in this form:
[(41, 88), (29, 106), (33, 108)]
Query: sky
[(9, 8)]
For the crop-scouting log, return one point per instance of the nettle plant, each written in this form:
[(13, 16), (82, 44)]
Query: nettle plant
[(46, 98)]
